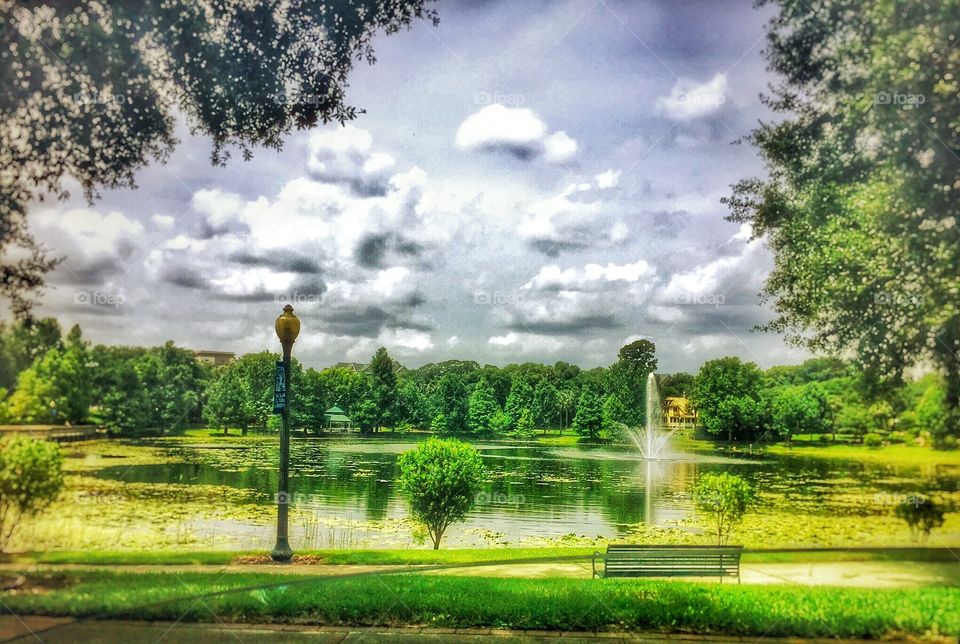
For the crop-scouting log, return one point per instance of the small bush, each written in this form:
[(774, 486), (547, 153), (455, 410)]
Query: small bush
[(31, 477), (873, 440)]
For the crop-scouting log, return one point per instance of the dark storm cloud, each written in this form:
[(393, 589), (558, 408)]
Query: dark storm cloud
[(183, 277), (367, 321), (374, 250), (287, 262), (573, 325), (553, 247)]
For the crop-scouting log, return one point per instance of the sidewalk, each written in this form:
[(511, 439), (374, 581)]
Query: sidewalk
[(32, 629), (861, 574)]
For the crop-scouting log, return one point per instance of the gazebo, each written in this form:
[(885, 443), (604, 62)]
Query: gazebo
[(334, 418)]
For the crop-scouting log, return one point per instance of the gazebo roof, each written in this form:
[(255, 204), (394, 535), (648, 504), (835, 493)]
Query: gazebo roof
[(334, 410), (338, 418)]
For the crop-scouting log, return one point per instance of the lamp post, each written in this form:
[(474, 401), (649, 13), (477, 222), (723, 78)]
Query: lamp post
[(288, 327)]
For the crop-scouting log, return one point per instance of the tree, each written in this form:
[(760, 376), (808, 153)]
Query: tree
[(227, 404), (520, 398), (412, 404), (57, 387), (22, 343), (482, 407), (31, 477), (546, 406), (500, 423), (366, 415), (721, 380), (613, 430), (439, 425), (566, 399), (854, 419), (795, 411), (589, 419), (524, 425), (383, 385), (172, 381), (859, 206), (441, 480), (676, 385), (450, 399), (343, 387), (724, 498), (99, 88), (628, 378)]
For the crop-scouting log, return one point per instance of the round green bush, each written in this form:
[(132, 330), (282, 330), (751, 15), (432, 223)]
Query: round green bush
[(873, 440)]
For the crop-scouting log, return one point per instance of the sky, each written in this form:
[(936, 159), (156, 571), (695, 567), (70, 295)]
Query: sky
[(531, 181)]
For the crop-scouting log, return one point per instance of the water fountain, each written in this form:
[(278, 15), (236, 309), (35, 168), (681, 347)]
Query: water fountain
[(652, 441)]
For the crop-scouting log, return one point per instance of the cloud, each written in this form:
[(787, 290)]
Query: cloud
[(575, 219), (344, 155), (517, 131), (592, 275), (162, 221), (689, 100), (94, 245), (608, 179), (526, 343)]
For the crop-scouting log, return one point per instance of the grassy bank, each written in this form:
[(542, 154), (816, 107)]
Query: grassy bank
[(457, 557), (894, 454), (552, 604)]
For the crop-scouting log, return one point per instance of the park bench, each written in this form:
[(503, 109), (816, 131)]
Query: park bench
[(624, 560)]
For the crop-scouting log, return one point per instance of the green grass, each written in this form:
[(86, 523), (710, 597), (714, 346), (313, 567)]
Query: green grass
[(456, 557), (898, 454), (551, 604)]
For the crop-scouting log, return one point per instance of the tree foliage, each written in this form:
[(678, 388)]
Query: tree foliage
[(92, 90), (860, 203), (31, 477), (628, 377), (441, 480), (724, 498)]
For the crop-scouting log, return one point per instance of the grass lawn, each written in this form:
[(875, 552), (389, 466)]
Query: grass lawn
[(458, 556), (551, 604), (896, 454)]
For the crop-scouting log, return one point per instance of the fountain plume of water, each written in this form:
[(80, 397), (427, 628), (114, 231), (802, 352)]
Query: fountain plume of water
[(652, 441)]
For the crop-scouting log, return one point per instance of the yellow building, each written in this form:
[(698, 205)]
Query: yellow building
[(679, 413)]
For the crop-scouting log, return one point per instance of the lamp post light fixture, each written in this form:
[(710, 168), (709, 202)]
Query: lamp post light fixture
[(288, 328)]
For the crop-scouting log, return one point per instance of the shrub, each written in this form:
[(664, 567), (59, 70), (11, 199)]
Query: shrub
[(31, 477), (441, 480), (724, 498), (873, 440)]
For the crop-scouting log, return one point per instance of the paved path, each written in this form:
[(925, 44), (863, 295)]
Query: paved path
[(32, 629), (863, 574)]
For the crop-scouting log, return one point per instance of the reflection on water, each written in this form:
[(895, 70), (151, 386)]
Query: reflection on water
[(530, 492)]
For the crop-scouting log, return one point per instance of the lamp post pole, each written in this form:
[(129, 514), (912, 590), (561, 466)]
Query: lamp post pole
[(288, 327)]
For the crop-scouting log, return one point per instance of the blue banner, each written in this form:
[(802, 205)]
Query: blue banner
[(280, 389)]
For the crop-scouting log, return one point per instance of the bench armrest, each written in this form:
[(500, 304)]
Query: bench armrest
[(593, 562)]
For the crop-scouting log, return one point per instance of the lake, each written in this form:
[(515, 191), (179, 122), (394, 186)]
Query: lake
[(219, 494)]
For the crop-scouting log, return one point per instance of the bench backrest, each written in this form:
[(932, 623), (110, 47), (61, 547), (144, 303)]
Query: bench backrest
[(672, 561)]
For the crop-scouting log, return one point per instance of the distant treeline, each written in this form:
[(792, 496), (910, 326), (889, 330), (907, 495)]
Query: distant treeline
[(46, 377)]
